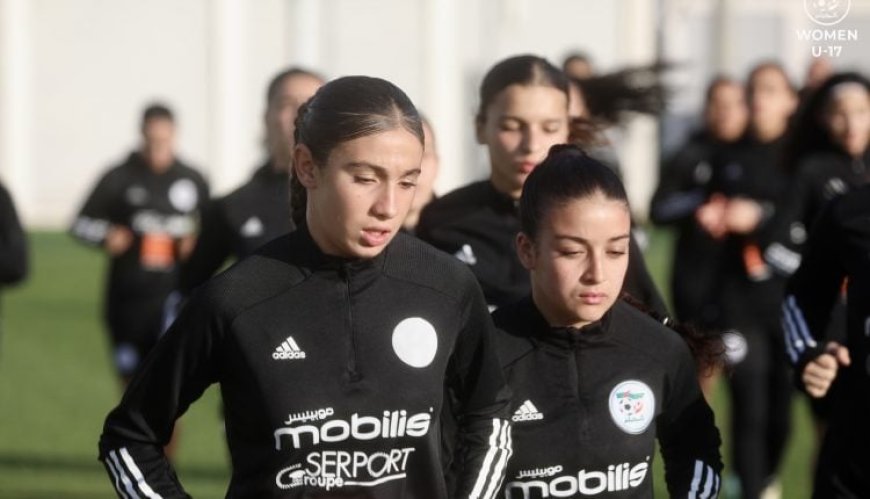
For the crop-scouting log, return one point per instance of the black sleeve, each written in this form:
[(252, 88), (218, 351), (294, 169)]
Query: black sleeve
[(176, 373), (677, 196), (213, 247), (475, 379), (688, 435), (93, 220), (639, 283), (812, 292), (13, 242), (781, 245)]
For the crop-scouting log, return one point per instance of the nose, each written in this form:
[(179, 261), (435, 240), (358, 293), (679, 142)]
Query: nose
[(594, 271), (385, 206), (532, 140)]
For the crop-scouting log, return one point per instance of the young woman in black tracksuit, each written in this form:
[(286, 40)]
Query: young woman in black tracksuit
[(838, 250), (333, 345), (683, 188), (596, 381), (523, 112), (255, 213), (829, 155), (747, 189)]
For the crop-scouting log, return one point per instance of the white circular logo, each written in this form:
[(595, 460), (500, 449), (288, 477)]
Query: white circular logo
[(736, 347), (415, 342), (183, 195), (827, 12), (632, 406)]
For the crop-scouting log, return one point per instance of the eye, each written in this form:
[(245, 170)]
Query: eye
[(360, 179), (552, 128), (510, 126), (408, 184), (616, 252)]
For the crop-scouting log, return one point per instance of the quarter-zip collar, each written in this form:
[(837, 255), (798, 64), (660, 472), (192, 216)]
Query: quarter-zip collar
[(315, 259), (562, 337)]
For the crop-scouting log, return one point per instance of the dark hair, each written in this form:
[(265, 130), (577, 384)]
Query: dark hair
[(631, 90), (707, 347), (345, 109), (809, 134), (764, 66), (567, 173), (715, 83), (157, 110), (279, 78), (518, 70)]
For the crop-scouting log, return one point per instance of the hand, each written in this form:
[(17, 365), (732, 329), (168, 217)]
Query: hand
[(742, 215), (185, 246), (711, 216), (118, 240), (821, 371)]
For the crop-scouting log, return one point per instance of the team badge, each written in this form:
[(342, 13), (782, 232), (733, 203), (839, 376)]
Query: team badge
[(183, 195), (632, 406), (415, 342)]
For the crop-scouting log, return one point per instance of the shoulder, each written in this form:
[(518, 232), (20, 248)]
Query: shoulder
[(455, 203), (412, 260), (266, 273), (640, 332), (513, 335), (186, 171), (853, 204)]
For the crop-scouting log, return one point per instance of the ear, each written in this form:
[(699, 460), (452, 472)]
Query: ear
[(526, 251), (304, 166)]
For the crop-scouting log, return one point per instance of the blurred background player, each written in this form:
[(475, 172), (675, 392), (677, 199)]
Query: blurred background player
[(258, 211), (144, 213), (748, 186), (683, 188), (13, 244), (426, 181)]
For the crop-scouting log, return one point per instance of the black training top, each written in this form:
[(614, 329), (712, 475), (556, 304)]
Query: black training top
[(589, 404), (159, 209), (478, 225), (13, 242), (239, 223), (838, 248), (332, 373), (819, 178)]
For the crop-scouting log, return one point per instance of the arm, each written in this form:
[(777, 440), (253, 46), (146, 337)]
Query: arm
[(678, 195), (175, 374), (213, 247), (688, 435), (811, 294), (475, 382), (13, 242)]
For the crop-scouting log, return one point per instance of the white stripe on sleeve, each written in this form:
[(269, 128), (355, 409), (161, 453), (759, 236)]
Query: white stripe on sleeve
[(505, 453), (137, 474), (481, 481), (696, 480), (115, 475), (127, 485)]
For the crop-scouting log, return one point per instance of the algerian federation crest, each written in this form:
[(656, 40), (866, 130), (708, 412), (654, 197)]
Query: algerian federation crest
[(827, 12), (632, 406)]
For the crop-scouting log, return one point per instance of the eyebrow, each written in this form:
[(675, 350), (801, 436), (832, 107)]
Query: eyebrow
[(583, 240), (381, 170)]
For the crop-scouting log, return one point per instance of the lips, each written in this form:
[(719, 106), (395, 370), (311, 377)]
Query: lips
[(592, 298), (526, 167), (375, 236)]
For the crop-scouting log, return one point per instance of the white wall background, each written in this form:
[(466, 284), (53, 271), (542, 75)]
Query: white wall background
[(75, 74)]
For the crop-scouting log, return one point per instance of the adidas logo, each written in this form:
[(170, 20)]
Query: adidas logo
[(466, 255), (527, 412), (288, 350)]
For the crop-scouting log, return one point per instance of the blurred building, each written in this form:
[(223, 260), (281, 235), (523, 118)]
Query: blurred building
[(75, 74)]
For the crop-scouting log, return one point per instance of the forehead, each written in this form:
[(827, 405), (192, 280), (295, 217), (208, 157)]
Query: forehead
[(592, 217), (850, 95), (531, 102), (397, 150), (769, 77)]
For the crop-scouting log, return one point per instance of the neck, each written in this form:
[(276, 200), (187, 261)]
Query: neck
[(505, 188), (768, 132), (553, 319)]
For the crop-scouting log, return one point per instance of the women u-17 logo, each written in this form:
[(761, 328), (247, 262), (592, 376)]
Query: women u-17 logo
[(632, 406)]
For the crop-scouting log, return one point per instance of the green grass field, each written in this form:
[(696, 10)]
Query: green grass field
[(57, 384)]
